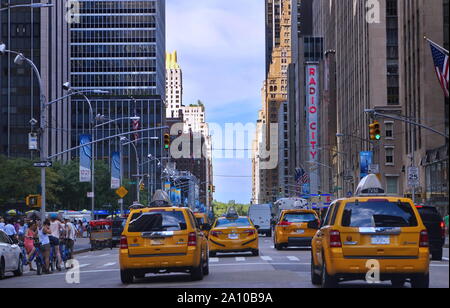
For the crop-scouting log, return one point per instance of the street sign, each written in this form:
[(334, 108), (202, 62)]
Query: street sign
[(413, 177), (43, 164), (374, 169), (122, 192), (32, 141), (90, 194)]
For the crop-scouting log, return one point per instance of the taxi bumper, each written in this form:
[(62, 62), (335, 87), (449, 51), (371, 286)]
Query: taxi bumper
[(179, 262), (218, 245)]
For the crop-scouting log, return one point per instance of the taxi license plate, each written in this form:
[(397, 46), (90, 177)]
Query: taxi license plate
[(381, 240), (300, 231), (233, 236), (157, 242)]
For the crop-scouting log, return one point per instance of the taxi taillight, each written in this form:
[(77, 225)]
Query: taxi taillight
[(335, 239), (123, 242), (192, 239), (284, 223), (249, 232), (216, 233), (424, 240), (443, 229)]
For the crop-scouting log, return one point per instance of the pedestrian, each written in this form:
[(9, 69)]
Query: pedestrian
[(2, 224), (56, 227), (17, 225), (30, 235), (10, 230), (70, 236), (44, 239), (80, 226)]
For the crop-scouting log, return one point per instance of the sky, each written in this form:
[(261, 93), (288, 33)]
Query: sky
[(221, 51)]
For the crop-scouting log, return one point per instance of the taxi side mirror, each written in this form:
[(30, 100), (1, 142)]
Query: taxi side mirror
[(313, 225), (257, 227)]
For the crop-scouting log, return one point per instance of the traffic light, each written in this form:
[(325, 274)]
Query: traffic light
[(213, 188), (375, 131), (33, 201), (166, 141), (142, 186)]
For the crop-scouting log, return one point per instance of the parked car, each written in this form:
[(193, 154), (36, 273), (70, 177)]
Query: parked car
[(10, 257), (436, 230), (117, 229)]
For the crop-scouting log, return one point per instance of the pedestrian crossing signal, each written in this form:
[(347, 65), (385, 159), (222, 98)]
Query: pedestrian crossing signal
[(375, 131), (33, 201)]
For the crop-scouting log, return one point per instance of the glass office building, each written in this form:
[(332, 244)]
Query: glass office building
[(119, 46)]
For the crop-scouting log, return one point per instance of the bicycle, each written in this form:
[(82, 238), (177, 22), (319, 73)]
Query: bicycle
[(37, 257), (64, 251)]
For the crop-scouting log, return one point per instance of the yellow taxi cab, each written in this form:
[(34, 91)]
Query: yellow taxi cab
[(202, 219), (162, 239), (371, 237), (296, 228), (233, 233)]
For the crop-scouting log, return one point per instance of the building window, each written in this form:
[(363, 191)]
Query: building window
[(389, 156), (389, 130), (392, 185)]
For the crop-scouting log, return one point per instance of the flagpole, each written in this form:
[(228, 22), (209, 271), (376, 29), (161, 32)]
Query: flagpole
[(437, 45)]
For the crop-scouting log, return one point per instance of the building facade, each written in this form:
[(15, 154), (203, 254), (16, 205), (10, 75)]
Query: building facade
[(119, 47), (174, 86)]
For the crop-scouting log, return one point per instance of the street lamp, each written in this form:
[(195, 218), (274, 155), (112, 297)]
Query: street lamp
[(20, 59)]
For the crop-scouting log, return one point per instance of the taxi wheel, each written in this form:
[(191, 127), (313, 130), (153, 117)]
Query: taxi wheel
[(197, 272), (206, 266), (126, 277), (255, 252), (436, 255), (398, 283), (328, 281), (315, 279), (278, 247), (421, 282)]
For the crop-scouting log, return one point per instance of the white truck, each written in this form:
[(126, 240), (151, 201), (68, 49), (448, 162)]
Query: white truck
[(261, 215), (288, 204)]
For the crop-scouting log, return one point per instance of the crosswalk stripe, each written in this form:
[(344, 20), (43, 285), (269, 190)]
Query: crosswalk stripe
[(240, 259), (214, 260), (266, 258), (291, 258), (445, 259), (109, 264), (84, 265)]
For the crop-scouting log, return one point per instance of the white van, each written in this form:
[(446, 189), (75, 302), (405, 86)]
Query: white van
[(261, 215)]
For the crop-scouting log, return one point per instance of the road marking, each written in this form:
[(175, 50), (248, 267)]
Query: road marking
[(291, 258), (439, 265), (444, 258), (240, 259), (105, 255), (214, 260), (266, 258), (247, 264), (84, 265), (109, 264)]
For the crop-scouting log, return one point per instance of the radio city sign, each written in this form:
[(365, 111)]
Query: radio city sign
[(312, 97)]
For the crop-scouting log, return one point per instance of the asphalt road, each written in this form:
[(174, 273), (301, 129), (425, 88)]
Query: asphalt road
[(272, 269)]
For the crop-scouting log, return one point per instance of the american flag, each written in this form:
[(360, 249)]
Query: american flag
[(135, 125), (440, 59), (301, 176)]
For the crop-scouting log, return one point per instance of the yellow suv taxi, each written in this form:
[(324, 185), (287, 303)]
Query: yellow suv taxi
[(233, 233), (295, 228), (202, 219), (162, 240), (371, 237)]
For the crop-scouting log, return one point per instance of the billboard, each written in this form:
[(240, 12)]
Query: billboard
[(366, 159), (85, 159), (115, 170)]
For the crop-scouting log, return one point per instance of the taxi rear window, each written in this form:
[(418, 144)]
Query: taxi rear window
[(299, 217), (157, 221), (239, 222), (379, 214)]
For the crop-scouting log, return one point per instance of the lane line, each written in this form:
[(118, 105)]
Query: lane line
[(84, 265), (240, 259), (105, 255), (266, 258), (292, 258), (213, 260), (109, 264)]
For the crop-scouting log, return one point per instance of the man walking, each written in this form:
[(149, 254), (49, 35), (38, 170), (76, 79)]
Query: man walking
[(70, 236)]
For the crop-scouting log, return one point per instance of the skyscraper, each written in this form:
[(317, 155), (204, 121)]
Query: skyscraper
[(119, 47), (174, 86)]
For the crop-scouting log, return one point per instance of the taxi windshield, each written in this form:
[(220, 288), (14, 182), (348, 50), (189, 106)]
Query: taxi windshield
[(238, 222), (299, 217), (379, 214), (157, 221)]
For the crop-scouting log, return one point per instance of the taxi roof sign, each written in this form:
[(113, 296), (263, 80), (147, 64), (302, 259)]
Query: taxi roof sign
[(370, 185)]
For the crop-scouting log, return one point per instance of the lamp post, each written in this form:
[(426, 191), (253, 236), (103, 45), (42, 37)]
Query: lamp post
[(123, 141), (19, 60)]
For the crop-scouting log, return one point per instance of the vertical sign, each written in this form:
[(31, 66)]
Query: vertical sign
[(85, 158), (366, 160), (115, 170), (312, 103)]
